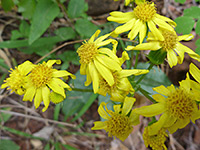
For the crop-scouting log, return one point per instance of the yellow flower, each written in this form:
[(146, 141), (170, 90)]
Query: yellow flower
[(175, 50), (177, 106), (137, 21), (121, 86), (43, 78), (98, 62), (156, 142), (16, 79), (118, 123)]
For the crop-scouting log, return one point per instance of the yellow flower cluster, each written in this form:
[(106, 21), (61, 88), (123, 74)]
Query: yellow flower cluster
[(39, 82)]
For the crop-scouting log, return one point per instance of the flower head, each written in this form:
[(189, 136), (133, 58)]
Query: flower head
[(171, 44), (16, 79), (177, 106), (156, 142), (41, 79), (118, 123), (97, 61), (143, 15), (121, 86)]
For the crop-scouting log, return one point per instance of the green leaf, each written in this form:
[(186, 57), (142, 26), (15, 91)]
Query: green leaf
[(184, 24), (24, 28), (154, 78), (7, 4), (56, 111), (69, 56), (76, 8), (15, 34), (85, 107), (85, 28), (65, 33), (180, 1), (47, 147), (197, 43), (75, 100), (157, 57), (27, 8), (45, 12), (8, 145), (68, 147), (5, 117), (197, 29), (193, 12)]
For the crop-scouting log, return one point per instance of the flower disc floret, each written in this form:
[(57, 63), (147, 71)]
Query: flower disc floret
[(145, 11), (41, 75), (180, 104), (87, 52), (170, 40)]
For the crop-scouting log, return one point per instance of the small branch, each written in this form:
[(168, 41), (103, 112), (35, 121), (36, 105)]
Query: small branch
[(38, 118)]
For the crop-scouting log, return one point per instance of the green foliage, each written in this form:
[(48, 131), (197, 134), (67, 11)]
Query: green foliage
[(154, 78), (75, 8), (180, 1), (7, 4), (4, 117), (85, 28), (186, 22), (8, 145), (27, 8), (45, 12), (197, 43), (77, 100)]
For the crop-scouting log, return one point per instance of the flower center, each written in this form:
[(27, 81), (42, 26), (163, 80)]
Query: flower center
[(118, 125), (170, 40), (16, 80), (87, 52), (156, 142), (41, 75), (180, 104), (145, 11)]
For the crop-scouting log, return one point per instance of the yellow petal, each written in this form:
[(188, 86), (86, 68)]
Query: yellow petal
[(102, 111), (62, 73), (145, 46), (162, 24), (180, 52), (83, 69), (100, 40), (195, 116), (62, 83), (142, 32), (45, 96), (128, 105), (38, 98), (91, 40), (120, 17), (126, 27), (98, 125), (171, 22), (56, 88), (26, 67), (171, 88), (116, 97), (159, 98), (104, 72), (95, 77), (179, 124), (151, 110), (157, 34), (117, 108), (187, 37), (51, 62), (88, 77), (109, 53), (135, 30), (29, 94), (169, 121), (172, 58), (124, 57), (195, 72), (154, 128), (108, 62), (126, 73), (134, 118), (162, 90)]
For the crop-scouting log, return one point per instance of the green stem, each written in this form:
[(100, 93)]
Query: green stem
[(82, 90), (145, 93), (142, 77), (136, 59)]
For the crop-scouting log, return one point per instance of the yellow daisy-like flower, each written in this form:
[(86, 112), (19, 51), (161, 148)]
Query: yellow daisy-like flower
[(16, 79), (118, 123), (177, 106), (156, 142), (171, 44), (122, 86), (97, 61), (43, 78), (137, 21)]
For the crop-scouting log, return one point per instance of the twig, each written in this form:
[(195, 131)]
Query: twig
[(38, 118), (57, 48)]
